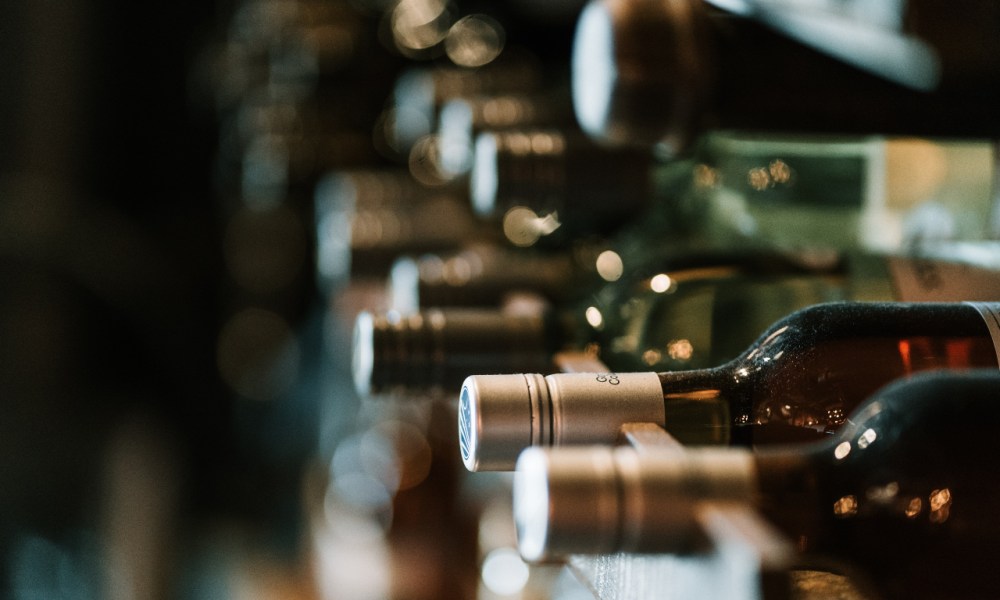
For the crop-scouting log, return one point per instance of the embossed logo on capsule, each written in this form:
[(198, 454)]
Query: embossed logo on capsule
[(609, 378), (465, 425)]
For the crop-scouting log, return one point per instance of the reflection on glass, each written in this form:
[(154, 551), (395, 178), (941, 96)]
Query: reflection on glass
[(522, 226), (846, 506), (652, 356), (419, 24), (610, 266), (660, 283), (503, 111), (474, 41), (503, 572), (425, 161), (594, 317), (883, 494), (779, 171), (842, 450), (458, 270), (758, 178), (939, 503), (705, 177), (866, 438), (680, 350), (455, 137)]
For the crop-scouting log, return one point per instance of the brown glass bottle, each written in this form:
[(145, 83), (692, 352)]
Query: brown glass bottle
[(805, 375), (410, 350), (798, 382), (903, 496)]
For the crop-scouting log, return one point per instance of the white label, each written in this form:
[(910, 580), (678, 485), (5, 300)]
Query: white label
[(991, 314), (929, 280)]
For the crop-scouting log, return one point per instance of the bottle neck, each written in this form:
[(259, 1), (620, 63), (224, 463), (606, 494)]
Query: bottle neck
[(433, 351), (802, 378), (697, 405), (482, 275)]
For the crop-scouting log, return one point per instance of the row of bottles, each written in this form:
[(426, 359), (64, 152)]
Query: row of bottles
[(899, 498), (751, 234), (667, 262), (391, 512)]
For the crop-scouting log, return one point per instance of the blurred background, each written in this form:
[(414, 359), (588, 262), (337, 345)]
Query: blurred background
[(199, 199), (166, 384)]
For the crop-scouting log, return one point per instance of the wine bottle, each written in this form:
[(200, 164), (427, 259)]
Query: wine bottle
[(366, 218), (701, 314), (463, 119), (553, 185), (419, 93), (738, 189), (904, 491), (798, 381), (437, 348), (482, 275), (660, 73), (880, 194)]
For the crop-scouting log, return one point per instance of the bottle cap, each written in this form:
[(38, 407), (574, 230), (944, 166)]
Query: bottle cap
[(461, 120), (638, 72), (602, 500), (584, 187), (501, 415), (363, 224), (420, 92), (434, 350), (345, 198)]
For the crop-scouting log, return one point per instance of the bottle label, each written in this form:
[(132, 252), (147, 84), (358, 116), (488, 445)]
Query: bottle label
[(991, 314), (930, 280)]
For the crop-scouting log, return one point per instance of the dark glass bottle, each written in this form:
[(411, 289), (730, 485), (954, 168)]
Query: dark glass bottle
[(738, 189), (661, 72), (550, 185), (425, 353), (419, 93), (436, 348), (905, 491), (797, 382), (686, 312), (483, 274), (461, 120), (366, 218)]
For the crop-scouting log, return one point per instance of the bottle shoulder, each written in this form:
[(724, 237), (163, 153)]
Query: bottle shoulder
[(877, 319), (813, 368), (907, 481)]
